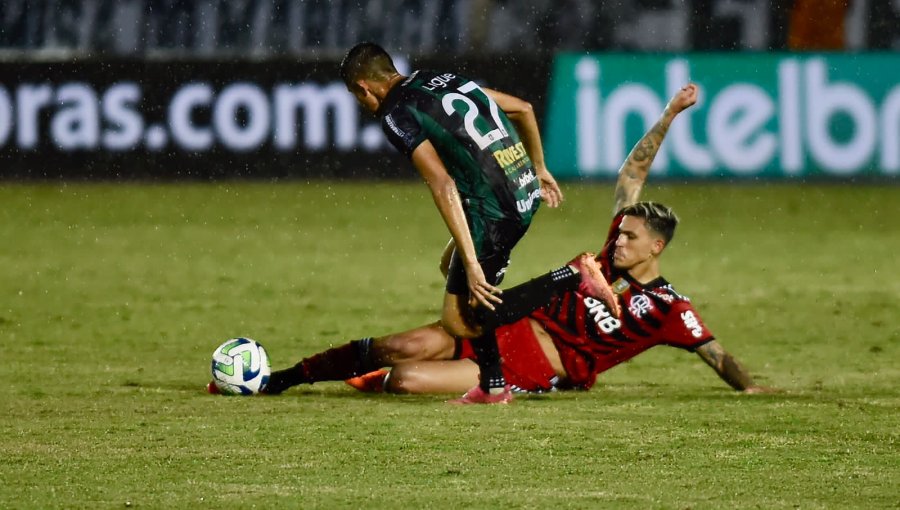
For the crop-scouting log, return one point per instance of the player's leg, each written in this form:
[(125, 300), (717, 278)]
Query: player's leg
[(458, 319), (454, 376), (361, 356), (527, 365), (429, 342), (583, 272)]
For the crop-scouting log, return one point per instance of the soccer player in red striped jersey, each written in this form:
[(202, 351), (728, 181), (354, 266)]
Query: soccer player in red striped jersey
[(566, 344)]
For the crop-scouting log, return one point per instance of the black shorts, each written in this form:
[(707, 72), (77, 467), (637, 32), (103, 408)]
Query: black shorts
[(494, 241)]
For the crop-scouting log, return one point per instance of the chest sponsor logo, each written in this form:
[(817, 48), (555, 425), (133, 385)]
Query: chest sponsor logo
[(509, 156), (639, 305), (692, 323), (604, 320)]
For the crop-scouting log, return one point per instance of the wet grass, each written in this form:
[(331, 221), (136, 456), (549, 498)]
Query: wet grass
[(112, 298)]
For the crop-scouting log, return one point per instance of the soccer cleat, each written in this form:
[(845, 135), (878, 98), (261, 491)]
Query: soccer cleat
[(478, 396), (373, 382), (593, 283), (212, 389)]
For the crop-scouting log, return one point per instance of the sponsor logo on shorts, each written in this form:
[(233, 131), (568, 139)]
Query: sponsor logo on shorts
[(525, 204), (526, 179)]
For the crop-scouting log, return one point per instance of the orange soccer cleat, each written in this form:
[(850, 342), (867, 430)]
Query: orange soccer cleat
[(373, 382), (593, 283)]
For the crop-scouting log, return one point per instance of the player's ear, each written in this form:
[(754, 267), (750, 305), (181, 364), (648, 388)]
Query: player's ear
[(658, 245), (362, 86)]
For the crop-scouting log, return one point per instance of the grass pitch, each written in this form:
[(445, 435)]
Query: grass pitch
[(112, 298)]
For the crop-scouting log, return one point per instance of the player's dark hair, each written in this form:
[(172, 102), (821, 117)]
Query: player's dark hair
[(657, 217), (366, 61)]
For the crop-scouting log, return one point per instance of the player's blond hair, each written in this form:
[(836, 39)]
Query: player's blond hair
[(366, 61), (659, 219)]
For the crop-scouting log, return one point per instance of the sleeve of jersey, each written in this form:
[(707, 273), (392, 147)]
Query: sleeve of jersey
[(403, 130), (684, 328)]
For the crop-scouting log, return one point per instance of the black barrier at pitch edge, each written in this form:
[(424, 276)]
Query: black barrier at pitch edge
[(120, 119)]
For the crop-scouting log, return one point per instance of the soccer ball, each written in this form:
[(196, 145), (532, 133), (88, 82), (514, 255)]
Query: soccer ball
[(240, 366)]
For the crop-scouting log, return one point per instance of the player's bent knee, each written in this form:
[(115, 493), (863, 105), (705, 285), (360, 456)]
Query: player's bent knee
[(402, 380), (403, 348), (426, 343)]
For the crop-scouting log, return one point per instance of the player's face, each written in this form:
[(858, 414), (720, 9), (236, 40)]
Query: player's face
[(635, 243)]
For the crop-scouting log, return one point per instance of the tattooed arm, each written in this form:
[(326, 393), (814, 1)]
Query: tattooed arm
[(634, 171), (729, 369)]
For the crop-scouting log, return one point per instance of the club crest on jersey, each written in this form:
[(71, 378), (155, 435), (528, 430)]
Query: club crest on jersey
[(619, 286), (640, 304)]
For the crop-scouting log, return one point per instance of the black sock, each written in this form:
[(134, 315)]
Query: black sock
[(491, 375), (338, 363), (364, 361), (521, 300)]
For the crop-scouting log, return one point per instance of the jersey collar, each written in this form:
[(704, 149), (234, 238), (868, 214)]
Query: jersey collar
[(393, 96), (655, 283)]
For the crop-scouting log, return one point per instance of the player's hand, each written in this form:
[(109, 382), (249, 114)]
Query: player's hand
[(684, 98), (550, 192), (480, 291)]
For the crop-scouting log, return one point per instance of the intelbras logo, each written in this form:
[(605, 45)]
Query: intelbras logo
[(758, 114)]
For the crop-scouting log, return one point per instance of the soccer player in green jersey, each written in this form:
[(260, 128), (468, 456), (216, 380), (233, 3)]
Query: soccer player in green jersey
[(479, 151)]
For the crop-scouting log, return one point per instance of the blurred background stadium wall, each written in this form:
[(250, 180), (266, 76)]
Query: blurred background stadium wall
[(215, 88)]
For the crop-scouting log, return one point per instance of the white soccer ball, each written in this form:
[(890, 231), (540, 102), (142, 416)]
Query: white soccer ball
[(240, 366)]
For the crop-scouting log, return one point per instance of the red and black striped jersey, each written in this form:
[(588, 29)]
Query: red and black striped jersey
[(590, 340)]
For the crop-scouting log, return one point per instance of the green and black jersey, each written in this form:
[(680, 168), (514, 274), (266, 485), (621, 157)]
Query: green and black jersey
[(474, 139)]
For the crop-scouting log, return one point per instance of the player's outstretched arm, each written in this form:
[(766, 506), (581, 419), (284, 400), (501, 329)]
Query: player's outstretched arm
[(446, 197), (729, 369), (521, 113), (633, 172)]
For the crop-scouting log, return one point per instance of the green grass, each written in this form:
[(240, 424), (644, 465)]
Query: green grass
[(112, 298)]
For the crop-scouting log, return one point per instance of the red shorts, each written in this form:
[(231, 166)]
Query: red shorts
[(525, 366)]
